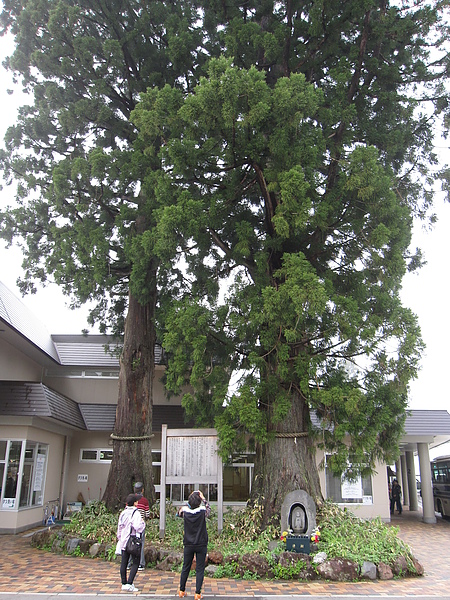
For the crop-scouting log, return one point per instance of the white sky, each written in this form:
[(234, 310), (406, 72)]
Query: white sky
[(426, 293)]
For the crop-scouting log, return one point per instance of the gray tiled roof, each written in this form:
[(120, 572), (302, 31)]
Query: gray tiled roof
[(86, 350), (67, 350), (427, 422), (21, 319), (101, 417), (418, 423), (92, 351), (37, 400)]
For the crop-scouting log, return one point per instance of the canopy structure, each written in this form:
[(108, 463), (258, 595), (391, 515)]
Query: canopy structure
[(424, 429)]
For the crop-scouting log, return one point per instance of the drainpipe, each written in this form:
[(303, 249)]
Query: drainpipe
[(63, 478)]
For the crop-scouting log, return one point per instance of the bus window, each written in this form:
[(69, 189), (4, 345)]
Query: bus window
[(440, 473)]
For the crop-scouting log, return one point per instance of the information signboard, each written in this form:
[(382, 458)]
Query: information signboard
[(189, 456)]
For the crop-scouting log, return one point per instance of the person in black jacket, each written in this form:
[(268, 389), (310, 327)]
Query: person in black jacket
[(195, 541), (396, 497)]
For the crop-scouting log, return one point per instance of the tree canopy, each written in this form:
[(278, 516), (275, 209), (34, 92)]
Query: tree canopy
[(244, 179), (294, 170), (81, 213)]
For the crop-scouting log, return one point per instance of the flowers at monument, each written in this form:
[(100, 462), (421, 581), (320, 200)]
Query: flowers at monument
[(315, 535)]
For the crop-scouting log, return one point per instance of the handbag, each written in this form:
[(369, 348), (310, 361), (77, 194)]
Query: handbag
[(134, 542), (134, 545)]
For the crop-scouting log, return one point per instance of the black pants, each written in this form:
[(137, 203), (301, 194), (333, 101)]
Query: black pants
[(396, 502), (200, 555), (124, 564)]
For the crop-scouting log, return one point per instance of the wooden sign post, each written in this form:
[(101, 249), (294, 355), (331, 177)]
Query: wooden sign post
[(189, 456)]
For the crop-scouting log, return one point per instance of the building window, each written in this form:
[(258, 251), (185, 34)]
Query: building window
[(348, 491), (84, 373), (96, 455), (23, 465)]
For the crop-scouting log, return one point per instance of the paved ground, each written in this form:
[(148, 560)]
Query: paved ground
[(25, 570)]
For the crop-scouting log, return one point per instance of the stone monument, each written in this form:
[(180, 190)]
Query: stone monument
[(298, 513)]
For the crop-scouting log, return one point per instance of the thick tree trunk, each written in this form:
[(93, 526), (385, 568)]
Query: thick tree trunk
[(286, 463), (132, 444)]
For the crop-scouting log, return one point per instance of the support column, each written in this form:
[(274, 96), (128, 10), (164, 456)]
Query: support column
[(425, 483), (404, 483), (398, 471), (413, 502)]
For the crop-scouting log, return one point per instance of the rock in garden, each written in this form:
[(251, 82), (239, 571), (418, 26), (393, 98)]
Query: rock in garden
[(172, 560), (211, 570), (215, 557), (72, 544), (368, 570), (41, 538), (384, 572), (151, 554), (95, 549), (253, 563), (85, 546), (400, 566), (339, 569), (418, 568), (320, 557)]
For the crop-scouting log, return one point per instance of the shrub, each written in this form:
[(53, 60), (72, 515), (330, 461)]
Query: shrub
[(345, 536), (94, 522)]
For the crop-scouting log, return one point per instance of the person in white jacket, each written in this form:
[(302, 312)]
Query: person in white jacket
[(130, 522)]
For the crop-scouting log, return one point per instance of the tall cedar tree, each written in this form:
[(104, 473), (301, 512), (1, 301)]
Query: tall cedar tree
[(300, 189), (293, 173), (83, 211)]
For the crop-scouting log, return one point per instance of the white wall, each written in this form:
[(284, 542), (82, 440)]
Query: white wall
[(380, 499), (16, 366)]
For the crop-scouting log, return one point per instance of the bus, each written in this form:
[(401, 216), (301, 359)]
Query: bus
[(440, 475)]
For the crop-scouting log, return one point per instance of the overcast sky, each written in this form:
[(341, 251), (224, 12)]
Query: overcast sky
[(426, 293)]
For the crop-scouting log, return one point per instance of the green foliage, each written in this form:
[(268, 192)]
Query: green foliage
[(342, 535), (346, 536), (289, 572), (227, 570), (94, 522)]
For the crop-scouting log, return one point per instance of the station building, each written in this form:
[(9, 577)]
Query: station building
[(58, 396)]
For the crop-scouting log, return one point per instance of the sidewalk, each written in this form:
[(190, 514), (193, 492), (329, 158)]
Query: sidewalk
[(26, 570)]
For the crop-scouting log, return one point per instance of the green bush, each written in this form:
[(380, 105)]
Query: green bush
[(342, 535), (288, 572), (94, 522)]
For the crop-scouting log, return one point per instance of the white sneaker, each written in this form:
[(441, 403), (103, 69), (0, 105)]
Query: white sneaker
[(133, 588), (125, 587)]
